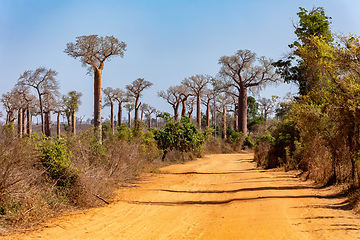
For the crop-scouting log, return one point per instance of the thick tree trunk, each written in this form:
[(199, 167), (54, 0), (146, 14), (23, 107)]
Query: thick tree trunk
[(198, 111), (242, 111), (73, 123), (47, 124), (137, 106), (208, 114), (129, 119), (23, 121), (112, 117), (20, 122), (58, 126), (28, 114), (97, 105), (176, 112), (120, 114), (183, 111)]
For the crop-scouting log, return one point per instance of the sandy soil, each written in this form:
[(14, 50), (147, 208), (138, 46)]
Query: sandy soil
[(216, 197)]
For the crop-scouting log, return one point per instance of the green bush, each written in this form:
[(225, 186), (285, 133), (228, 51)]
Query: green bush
[(55, 157), (182, 136)]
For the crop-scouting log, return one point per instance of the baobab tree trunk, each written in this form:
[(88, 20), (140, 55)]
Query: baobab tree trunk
[(176, 112), (208, 114), (58, 126), (28, 113), (112, 117), (47, 124), (137, 106), (224, 122), (198, 111), (97, 105), (236, 118), (129, 119), (183, 111), (73, 123), (20, 122), (120, 114), (41, 113), (242, 111), (23, 121)]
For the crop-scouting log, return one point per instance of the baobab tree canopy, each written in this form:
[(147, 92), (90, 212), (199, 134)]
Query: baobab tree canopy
[(94, 50)]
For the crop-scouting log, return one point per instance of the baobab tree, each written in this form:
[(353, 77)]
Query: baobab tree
[(9, 102), (208, 96), (240, 71), (173, 97), (29, 101), (267, 106), (190, 106), (44, 82), (223, 101), (121, 97), (129, 107), (59, 108), (185, 93), (71, 103), (135, 91), (197, 84), (109, 101), (149, 110), (93, 51)]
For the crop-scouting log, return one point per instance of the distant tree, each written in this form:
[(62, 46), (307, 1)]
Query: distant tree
[(148, 112), (172, 96), (197, 84), (267, 106), (135, 91), (121, 97), (185, 93), (223, 102), (109, 101), (129, 107), (29, 101), (44, 82), (9, 102), (72, 103), (209, 95), (240, 71), (190, 107), (93, 51)]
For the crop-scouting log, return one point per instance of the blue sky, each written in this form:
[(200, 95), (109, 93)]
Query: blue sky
[(167, 40)]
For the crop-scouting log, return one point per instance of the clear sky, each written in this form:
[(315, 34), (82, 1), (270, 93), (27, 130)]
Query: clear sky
[(167, 40)]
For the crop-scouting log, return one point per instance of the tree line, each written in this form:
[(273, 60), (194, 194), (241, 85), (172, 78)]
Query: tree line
[(223, 93)]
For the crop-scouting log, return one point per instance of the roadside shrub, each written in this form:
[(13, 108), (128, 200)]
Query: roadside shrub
[(55, 157), (182, 136)]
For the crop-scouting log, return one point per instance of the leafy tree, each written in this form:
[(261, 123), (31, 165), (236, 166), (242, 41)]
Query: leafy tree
[(182, 136), (241, 72), (293, 69), (93, 51)]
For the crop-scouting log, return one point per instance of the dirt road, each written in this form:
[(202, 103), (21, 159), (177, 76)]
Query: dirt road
[(216, 197)]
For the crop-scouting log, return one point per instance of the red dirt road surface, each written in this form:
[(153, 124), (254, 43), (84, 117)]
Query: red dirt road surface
[(216, 197)]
